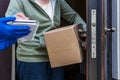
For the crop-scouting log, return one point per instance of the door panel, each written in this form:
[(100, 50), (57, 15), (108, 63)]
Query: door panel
[(95, 33), (108, 38)]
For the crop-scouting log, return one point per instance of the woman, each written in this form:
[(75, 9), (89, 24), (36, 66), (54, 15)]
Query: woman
[(32, 58)]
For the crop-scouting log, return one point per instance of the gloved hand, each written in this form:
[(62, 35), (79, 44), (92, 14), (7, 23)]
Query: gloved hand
[(9, 31), (5, 43)]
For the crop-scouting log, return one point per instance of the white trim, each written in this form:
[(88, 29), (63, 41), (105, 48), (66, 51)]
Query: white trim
[(116, 40), (13, 63), (118, 36)]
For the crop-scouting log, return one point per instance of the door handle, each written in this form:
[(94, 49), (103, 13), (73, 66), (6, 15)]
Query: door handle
[(110, 29)]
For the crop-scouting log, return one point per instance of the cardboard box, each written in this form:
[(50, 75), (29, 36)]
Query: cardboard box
[(63, 46)]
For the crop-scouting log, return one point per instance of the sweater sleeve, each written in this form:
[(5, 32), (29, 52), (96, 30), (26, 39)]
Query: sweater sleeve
[(70, 15), (14, 7)]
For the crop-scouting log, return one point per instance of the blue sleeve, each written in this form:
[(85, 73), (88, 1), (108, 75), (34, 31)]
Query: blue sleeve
[(5, 43)]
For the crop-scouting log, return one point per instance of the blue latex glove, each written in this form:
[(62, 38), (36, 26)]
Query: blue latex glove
[(9, 31), (5, 43)]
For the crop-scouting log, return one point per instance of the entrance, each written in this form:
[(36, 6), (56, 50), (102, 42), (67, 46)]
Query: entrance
[(99, 63), (78, 71)]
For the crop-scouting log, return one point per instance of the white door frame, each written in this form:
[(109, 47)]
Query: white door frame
[(116, 39)]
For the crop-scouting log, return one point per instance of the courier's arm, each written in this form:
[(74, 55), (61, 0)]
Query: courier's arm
[(5, 43), (9, 33)]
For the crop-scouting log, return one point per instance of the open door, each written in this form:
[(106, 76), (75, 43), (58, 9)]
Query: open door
[(76, 71), (96, 40), (103, 59)]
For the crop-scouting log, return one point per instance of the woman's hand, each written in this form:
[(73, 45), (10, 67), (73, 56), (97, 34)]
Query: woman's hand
[(21, 16)]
